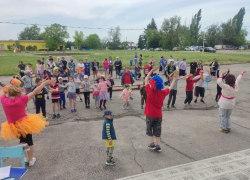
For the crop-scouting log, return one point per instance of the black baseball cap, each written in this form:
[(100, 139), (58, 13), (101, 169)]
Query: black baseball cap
[(108, 113)]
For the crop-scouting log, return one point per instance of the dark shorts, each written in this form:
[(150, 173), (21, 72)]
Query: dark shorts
[(77, 91), (153, 126), (55, 100), (199, 91), (160, 69), (28, 139), (213, 73)]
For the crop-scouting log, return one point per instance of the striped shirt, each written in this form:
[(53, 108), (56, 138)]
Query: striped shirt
[(55, 94), (108, 131)]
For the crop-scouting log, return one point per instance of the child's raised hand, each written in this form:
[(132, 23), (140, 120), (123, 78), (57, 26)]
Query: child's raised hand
[(244, 71)]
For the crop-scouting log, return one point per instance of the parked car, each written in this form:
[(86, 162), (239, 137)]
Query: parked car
[(241, 48), (187, 48), (151, 49), (158, 49), (218, 47), (175, 49), (196, 48), (209, 49)]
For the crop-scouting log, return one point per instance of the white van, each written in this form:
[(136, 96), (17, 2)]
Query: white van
[(218, 47)]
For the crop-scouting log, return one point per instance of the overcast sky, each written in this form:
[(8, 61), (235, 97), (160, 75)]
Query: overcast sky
[(134, 14)]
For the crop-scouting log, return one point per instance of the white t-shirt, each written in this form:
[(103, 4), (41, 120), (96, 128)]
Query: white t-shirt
[(200, 83), (169, 61), (80, 65)]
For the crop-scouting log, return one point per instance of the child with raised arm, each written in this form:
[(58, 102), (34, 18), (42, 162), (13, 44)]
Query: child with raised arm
[(71, 93), (189, 88), (153, 110), (227, 100), (104, 96), (217, 97), (55, 97), (125, 95), (173, 92), (77, 82)]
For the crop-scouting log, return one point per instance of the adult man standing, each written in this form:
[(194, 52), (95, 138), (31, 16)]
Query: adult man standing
[(182, 67), (95, 67), (193, 67), (118, 66), (64, 62), (87, 67)]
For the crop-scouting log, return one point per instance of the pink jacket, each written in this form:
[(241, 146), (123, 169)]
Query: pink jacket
[(102, 86), (126, 94)]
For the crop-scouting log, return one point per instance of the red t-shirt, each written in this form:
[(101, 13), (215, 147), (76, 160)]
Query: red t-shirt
[(154, 101), (126, 78), (14, 108), (190, 83)]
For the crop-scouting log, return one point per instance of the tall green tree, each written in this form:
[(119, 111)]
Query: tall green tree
[(93, 41), (115, 38), (171, 32), (140, 42), (152, 25), (214, 35), (55, 35), (195, 27), (238, 20), (153, 38), (78, 39), (30, 33)]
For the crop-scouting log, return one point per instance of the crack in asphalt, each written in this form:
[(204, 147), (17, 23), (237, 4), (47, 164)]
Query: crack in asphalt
[(135, 156), (240, 125), (171, 147)]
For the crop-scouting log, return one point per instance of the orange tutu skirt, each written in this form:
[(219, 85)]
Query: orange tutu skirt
[(33, 123)]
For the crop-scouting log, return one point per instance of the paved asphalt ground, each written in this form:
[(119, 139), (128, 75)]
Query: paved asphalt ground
[(71, 147)]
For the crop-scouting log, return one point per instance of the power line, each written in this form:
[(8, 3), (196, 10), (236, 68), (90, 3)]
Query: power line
[(66, 26)]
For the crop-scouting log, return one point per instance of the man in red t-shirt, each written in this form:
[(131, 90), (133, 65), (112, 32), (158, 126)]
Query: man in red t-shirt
[(153, 108)]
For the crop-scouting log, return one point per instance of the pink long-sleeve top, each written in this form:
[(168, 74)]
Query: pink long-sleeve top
[(126, 93), (102, 86)]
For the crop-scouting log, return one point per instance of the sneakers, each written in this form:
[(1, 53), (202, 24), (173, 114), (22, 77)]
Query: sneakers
[(32, 162), (58, 116), (131, 98), (74, 110), (195, 101), (224, 131), (104, 107), (168, 107), (151, 146), (48, 97), (86, 107), (26, 160), (81, 99), (100, 108), (64, 107), (158, 148), (110, 163), (202, 101), (141, 107), (54, 116), (173, 107)]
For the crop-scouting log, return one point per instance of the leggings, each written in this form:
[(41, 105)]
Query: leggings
[(172, 94), (111, 71), (86, 98), (110, 90), (110, 151), (126, 103)]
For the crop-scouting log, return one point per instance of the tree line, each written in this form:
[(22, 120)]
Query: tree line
[(174, 34), (171, 34)]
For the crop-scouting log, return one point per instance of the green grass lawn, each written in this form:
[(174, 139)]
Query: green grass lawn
[(9, 60)]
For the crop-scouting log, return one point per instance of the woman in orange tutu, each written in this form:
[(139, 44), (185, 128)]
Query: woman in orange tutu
[(19, 124)]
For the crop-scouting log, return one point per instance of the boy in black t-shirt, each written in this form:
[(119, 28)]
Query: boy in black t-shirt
[(40, 100)]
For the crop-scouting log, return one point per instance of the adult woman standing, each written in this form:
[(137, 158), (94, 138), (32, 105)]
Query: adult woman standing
[(135, 58), (118, 66), (105, 66), (71, 68), (81, 68), (95, 67), (110, 66), (213, 68), (199, 67), (21, 67)]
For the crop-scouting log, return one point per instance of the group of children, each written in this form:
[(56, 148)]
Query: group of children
[(152, 94)]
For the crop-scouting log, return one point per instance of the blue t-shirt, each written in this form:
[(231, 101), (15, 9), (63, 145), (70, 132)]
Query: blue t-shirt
[(160, 62), (72, 87)]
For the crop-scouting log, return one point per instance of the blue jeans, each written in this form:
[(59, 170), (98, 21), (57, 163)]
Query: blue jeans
[(62, 99), (135, 60)]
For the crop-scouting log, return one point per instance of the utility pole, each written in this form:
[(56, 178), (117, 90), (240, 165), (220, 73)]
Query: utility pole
[(203, 42)]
